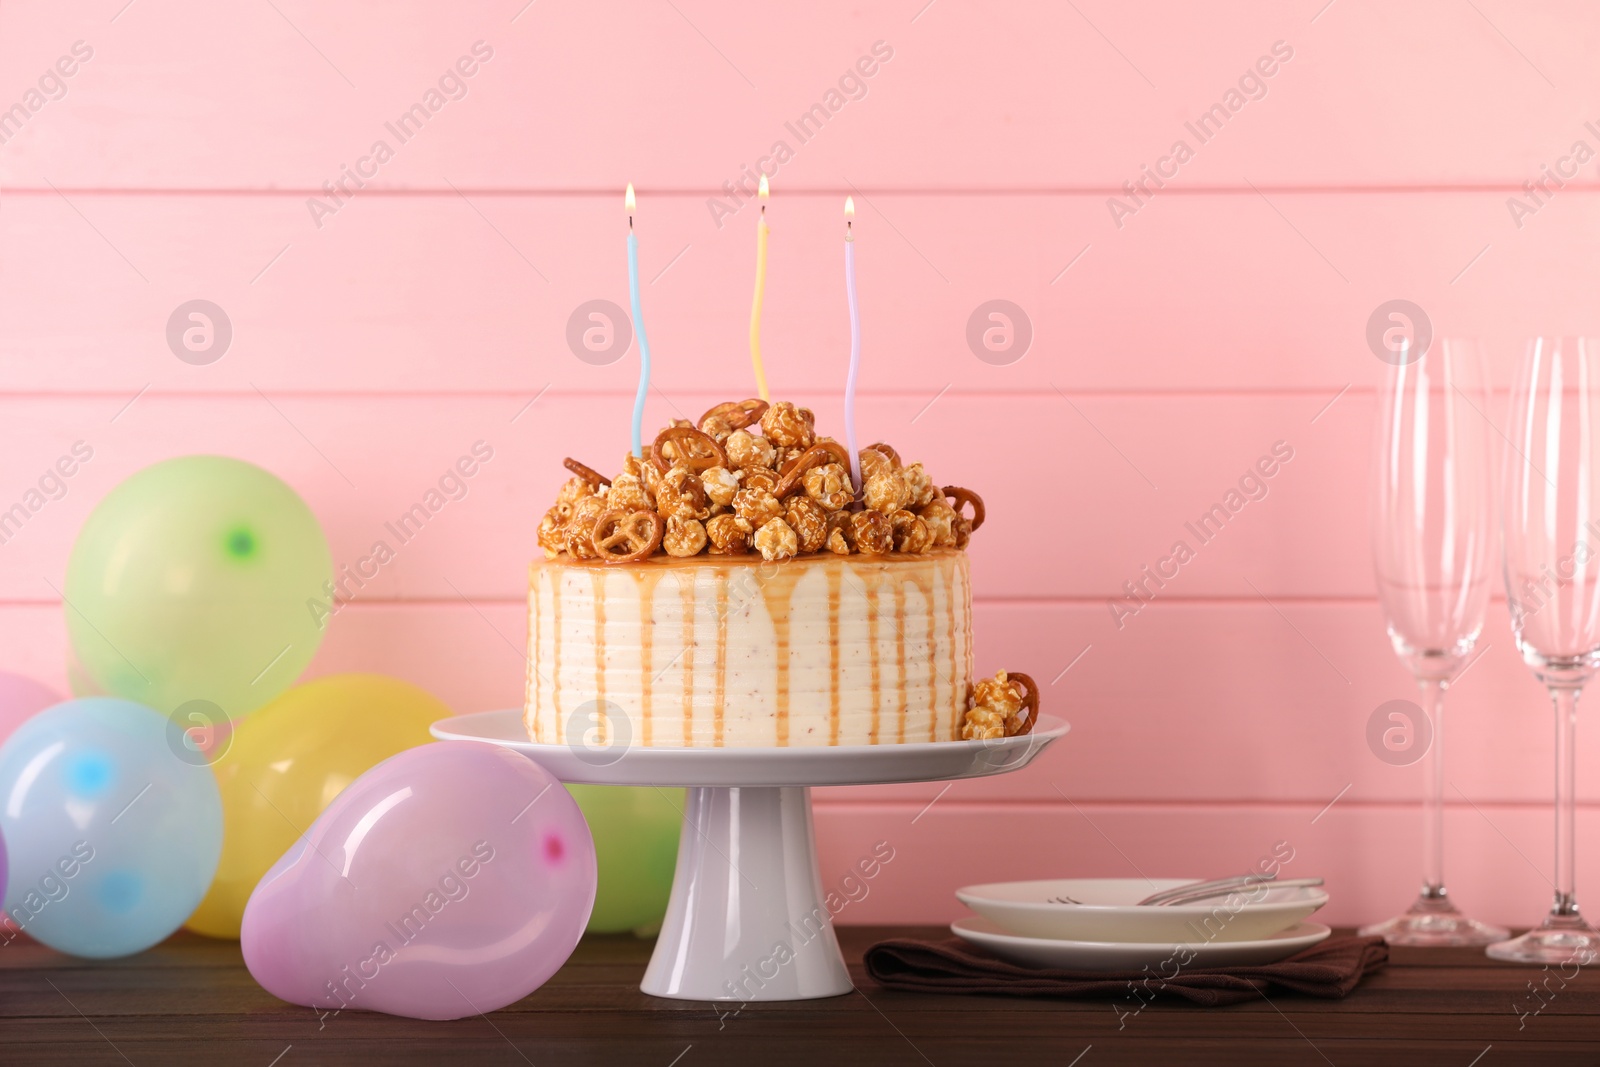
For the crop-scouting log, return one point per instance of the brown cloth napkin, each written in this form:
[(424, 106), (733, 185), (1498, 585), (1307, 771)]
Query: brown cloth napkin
[(1330, 969)]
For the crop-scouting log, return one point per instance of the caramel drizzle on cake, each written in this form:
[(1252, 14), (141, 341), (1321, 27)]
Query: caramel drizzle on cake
[(867, 685)]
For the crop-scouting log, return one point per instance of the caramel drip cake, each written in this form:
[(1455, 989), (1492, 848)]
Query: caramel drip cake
[(732, 588)]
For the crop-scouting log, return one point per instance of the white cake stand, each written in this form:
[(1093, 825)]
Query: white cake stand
[(747, 920)]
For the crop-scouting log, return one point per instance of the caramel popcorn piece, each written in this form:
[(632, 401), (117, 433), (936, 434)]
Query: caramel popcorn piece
[(627, 493), (998, 694), (716, 427), (870, 533), (809, 520), (746, 450), (888, 450), (872, 462), (641, 469), (940, 518), (720, 484), (757, 506), (963, 532), (981, 724), (759, 478), (684, 537), (911, 534), (1003, 706), (729, 535), (580, 528), (681, 493), (885, 491), (572, 491), (788, 426), (838, 541), (776, 540), (919, 485), (553, 531), (829, 485)]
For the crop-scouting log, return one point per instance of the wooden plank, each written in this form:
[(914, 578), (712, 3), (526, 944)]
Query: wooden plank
[(1241, 711), (1204, 293), (1424, 1006), (1053, 95), (1175, 786), (1083, 493)]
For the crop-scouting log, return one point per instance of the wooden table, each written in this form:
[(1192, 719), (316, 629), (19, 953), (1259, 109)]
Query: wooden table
[(190, 1001)]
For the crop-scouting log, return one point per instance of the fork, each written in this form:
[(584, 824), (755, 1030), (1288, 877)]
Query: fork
[(1203, 890)]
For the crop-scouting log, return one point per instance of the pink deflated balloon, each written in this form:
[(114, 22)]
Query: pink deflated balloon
[(449, 880)]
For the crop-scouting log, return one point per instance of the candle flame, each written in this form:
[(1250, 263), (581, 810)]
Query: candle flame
[(629, 200), (849, 206), (763, 191)]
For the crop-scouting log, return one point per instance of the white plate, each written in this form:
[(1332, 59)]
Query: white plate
[(925, 761), (1109, 913), (1161, 959)]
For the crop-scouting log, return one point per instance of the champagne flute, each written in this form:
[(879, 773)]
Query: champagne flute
[(1552, 558), (1432, 528)]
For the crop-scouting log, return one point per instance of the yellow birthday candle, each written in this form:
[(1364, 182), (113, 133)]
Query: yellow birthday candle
[(761, 287)]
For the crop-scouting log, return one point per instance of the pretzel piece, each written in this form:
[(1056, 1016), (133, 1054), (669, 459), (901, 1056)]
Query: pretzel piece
[(963, 497), (1030, 704), (818, 454), (737, 413), (625, 536), (588, 474), (693, 448)]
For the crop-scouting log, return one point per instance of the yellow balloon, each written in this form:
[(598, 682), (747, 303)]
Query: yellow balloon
[(287, 761)]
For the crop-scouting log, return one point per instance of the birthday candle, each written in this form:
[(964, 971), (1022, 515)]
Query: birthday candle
[(855, 344), (761, 287), (638, 328)]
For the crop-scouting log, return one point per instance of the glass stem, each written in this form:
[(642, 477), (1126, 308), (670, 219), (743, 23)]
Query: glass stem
[(1566, 703), (1433, 794)]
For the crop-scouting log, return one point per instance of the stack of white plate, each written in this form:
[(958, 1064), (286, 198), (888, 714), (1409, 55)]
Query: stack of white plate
[(1027, 923)]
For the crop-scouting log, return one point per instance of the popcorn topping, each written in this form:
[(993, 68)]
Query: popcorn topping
[(746, 450), (829, 485), (729, 535), (720, 484), (757, 506), (684, 537), (870, 533), (809, 520), (1003, 706), (749, 477), (627, 493), (886, 491), (681, 494), (776, 540)]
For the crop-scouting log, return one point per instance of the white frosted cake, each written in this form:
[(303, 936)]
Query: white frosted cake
[(735, 589), (834, 650)]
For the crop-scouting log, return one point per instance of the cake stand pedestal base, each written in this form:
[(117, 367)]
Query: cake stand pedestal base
[(747, 920)]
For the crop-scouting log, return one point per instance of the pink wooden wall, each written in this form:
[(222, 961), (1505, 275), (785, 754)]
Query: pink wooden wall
[(1170, 351)]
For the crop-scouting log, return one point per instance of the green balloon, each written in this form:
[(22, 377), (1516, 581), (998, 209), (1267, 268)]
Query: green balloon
[(635, 849), (198, 578)]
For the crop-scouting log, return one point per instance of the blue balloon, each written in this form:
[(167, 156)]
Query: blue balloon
[(112, 833)]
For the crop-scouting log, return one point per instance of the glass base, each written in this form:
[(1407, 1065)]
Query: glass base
[(1435, 923), (1561, 940)]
